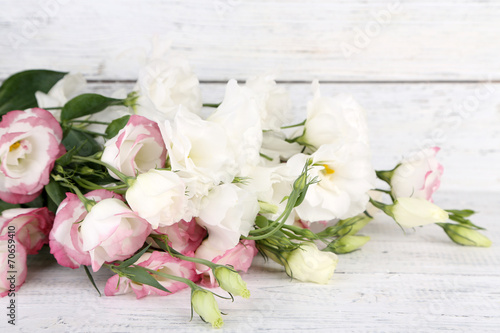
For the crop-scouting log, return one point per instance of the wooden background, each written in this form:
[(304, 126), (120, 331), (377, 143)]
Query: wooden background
[(427, 72)]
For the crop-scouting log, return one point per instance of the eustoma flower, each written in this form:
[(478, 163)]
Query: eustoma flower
[(418, 176), (412, 212), (11, 277), (112, 231), (158, 261), (345, 176), (137, 148), (30, 142), (240, 258), (65, 236), (334, 119), (31, 225), (164, 85), (159, 197)]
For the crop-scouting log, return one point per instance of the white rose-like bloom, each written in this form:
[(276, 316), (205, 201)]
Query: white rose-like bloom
[(412, 212), (418, 176), (158, 196), (334, 119), (271, 185), (273, 101), (345, 175), (198, 149), (309, 264), (275, 147), (227, 212), (239, 116), (112, 231), (164, 85), (65, 89)]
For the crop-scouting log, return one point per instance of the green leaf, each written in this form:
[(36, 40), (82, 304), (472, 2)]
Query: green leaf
[(66, 158), (5, 205), (55, 192), (463, 212), (141, 275), (91, 278), (134, 258), (115, 126), (86, 104), (84, 142), (18, 91)]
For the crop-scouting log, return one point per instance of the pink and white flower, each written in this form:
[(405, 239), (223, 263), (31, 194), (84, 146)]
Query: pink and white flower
[(112, 231), (161, 262), (137, 148), (31, 225), (239, 257), (11, 249), (418, 176), (65, 237), (30, 142), (183, 236)]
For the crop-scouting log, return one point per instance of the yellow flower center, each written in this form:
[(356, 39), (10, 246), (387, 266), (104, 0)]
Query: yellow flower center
[(14, 146), (328, 170)]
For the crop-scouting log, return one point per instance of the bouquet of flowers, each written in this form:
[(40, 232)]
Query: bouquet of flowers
[(170, 193)]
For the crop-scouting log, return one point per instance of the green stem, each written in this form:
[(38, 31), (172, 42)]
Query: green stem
[(292, 126), (212, 105), (266, 157), (126, 179), (89, 122), (188, 282)]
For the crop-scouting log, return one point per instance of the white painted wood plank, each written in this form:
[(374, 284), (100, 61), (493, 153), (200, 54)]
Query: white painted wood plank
[(403, 118), (425, 285), (298, 40)]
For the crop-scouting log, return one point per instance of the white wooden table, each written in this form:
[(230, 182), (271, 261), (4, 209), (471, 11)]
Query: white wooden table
[(428, 74)]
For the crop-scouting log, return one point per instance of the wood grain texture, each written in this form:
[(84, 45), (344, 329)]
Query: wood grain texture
[(297, 40), (414, 282)]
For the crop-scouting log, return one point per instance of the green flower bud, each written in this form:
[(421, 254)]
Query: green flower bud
[(348, 243), (205, 305), (464, 235), (352, 225), (231, 282)]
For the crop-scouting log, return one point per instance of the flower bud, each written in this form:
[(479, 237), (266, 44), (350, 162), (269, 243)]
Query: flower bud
[(412, 212), (309, 264), (464, 235), (352, 225), (205, 305), (348, 243), (231, 282)]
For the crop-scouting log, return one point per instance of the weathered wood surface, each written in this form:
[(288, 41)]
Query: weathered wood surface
[(414, 282), (298, 40)]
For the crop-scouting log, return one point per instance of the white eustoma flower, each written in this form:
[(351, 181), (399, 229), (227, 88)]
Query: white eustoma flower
[(272, 185), (158, 196), (345, 175), (273, 101), (199, 151), (239, 116), (227, 213), (164, 85), (275, 147), (333, 120), (65, 89)]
